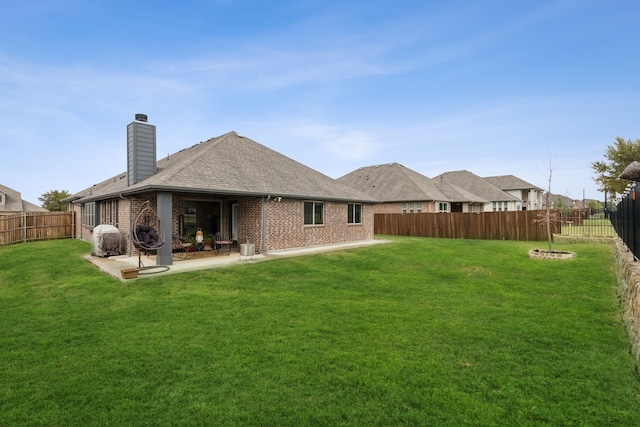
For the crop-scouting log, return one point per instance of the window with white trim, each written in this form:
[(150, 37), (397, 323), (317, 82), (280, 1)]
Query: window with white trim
[(404, 208), (109, 213), (1, 199), (354, 213), (443, 207), (419, 207), (90, 215), (313, 213), (500, 206)]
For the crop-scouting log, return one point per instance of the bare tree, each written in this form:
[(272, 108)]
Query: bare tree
[(548, 216)]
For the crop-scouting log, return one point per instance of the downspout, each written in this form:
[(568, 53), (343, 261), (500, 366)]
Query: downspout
[(73, 222), (264, 224)]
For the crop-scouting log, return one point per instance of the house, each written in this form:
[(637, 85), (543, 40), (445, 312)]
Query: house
[(227, 183), (530, 195), (11, 203), (497, 200), (402, 190), (559, 201)]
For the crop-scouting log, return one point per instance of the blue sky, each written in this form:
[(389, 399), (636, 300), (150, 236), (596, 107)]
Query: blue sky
[(494, 87)]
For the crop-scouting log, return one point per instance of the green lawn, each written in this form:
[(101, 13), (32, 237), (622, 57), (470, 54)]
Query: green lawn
[(417, 332), (590, 227)]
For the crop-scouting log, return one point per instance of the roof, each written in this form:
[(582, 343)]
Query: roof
[(393, 183), (558, 200), (475, 185), (457, 194), (510, 182), (13, 202), (229, 164)]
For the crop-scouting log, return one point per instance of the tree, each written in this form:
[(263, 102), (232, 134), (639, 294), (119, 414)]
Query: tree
[(594, 204), (548, 216), (618, 157), (52, 200)]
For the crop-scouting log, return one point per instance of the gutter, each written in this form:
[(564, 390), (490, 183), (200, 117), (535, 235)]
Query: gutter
[(264, 223), (176, 189)]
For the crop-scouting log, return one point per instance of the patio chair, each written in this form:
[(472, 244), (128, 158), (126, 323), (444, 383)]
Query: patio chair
[(222, 238)]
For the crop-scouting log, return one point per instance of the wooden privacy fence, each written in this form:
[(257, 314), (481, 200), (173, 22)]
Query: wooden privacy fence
[(515, 225), (31, 226)]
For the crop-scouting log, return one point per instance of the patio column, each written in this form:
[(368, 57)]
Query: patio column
[(165, 209)]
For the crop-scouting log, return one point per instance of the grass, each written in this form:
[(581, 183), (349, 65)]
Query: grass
[(590, 227), (419, 332)]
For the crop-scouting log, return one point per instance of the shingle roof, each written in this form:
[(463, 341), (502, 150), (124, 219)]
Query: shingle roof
[(230, 164), (510, 182), (13, 202), (457, 194), (475, 185), (393, 183)]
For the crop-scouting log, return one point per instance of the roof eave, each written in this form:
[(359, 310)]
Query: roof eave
[(173, 189)]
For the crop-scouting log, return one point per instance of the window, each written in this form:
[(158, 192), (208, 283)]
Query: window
[(89, 215), (410, 207), (1, 199), (313, 213), (109, 213), (354, 214), (419, 207), (404, 208), (500, 206), (443, 207), (201, 214)]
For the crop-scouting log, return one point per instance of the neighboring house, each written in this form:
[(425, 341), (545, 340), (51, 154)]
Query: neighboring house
[(530, 195), (402, 190), (11, 203), (228, 183), (558, 201), (497, 200)]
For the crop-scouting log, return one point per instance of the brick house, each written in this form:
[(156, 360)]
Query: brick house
[(227, 183), (496, 199), (402, 190)]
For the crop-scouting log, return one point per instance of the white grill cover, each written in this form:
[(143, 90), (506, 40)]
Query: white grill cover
[(106, 241)]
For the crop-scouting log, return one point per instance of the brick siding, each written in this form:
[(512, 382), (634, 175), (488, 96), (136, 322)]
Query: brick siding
[(284, 227)]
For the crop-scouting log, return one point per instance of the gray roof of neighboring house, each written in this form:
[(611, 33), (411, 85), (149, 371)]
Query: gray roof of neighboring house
[(475, 185), (229, 164), (510, 182), (556, 199), (457, 194), (393, 183), (13, 202)]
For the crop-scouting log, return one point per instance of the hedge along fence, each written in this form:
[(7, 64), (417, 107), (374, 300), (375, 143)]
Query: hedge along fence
[(30, 226), (515, 225)]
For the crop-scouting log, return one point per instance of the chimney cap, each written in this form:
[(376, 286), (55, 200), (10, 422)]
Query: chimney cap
[(141, 118)]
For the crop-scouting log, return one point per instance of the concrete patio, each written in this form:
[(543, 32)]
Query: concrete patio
[(204, 260)]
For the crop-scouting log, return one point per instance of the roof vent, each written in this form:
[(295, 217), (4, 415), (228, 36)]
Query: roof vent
[(141, 118)]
